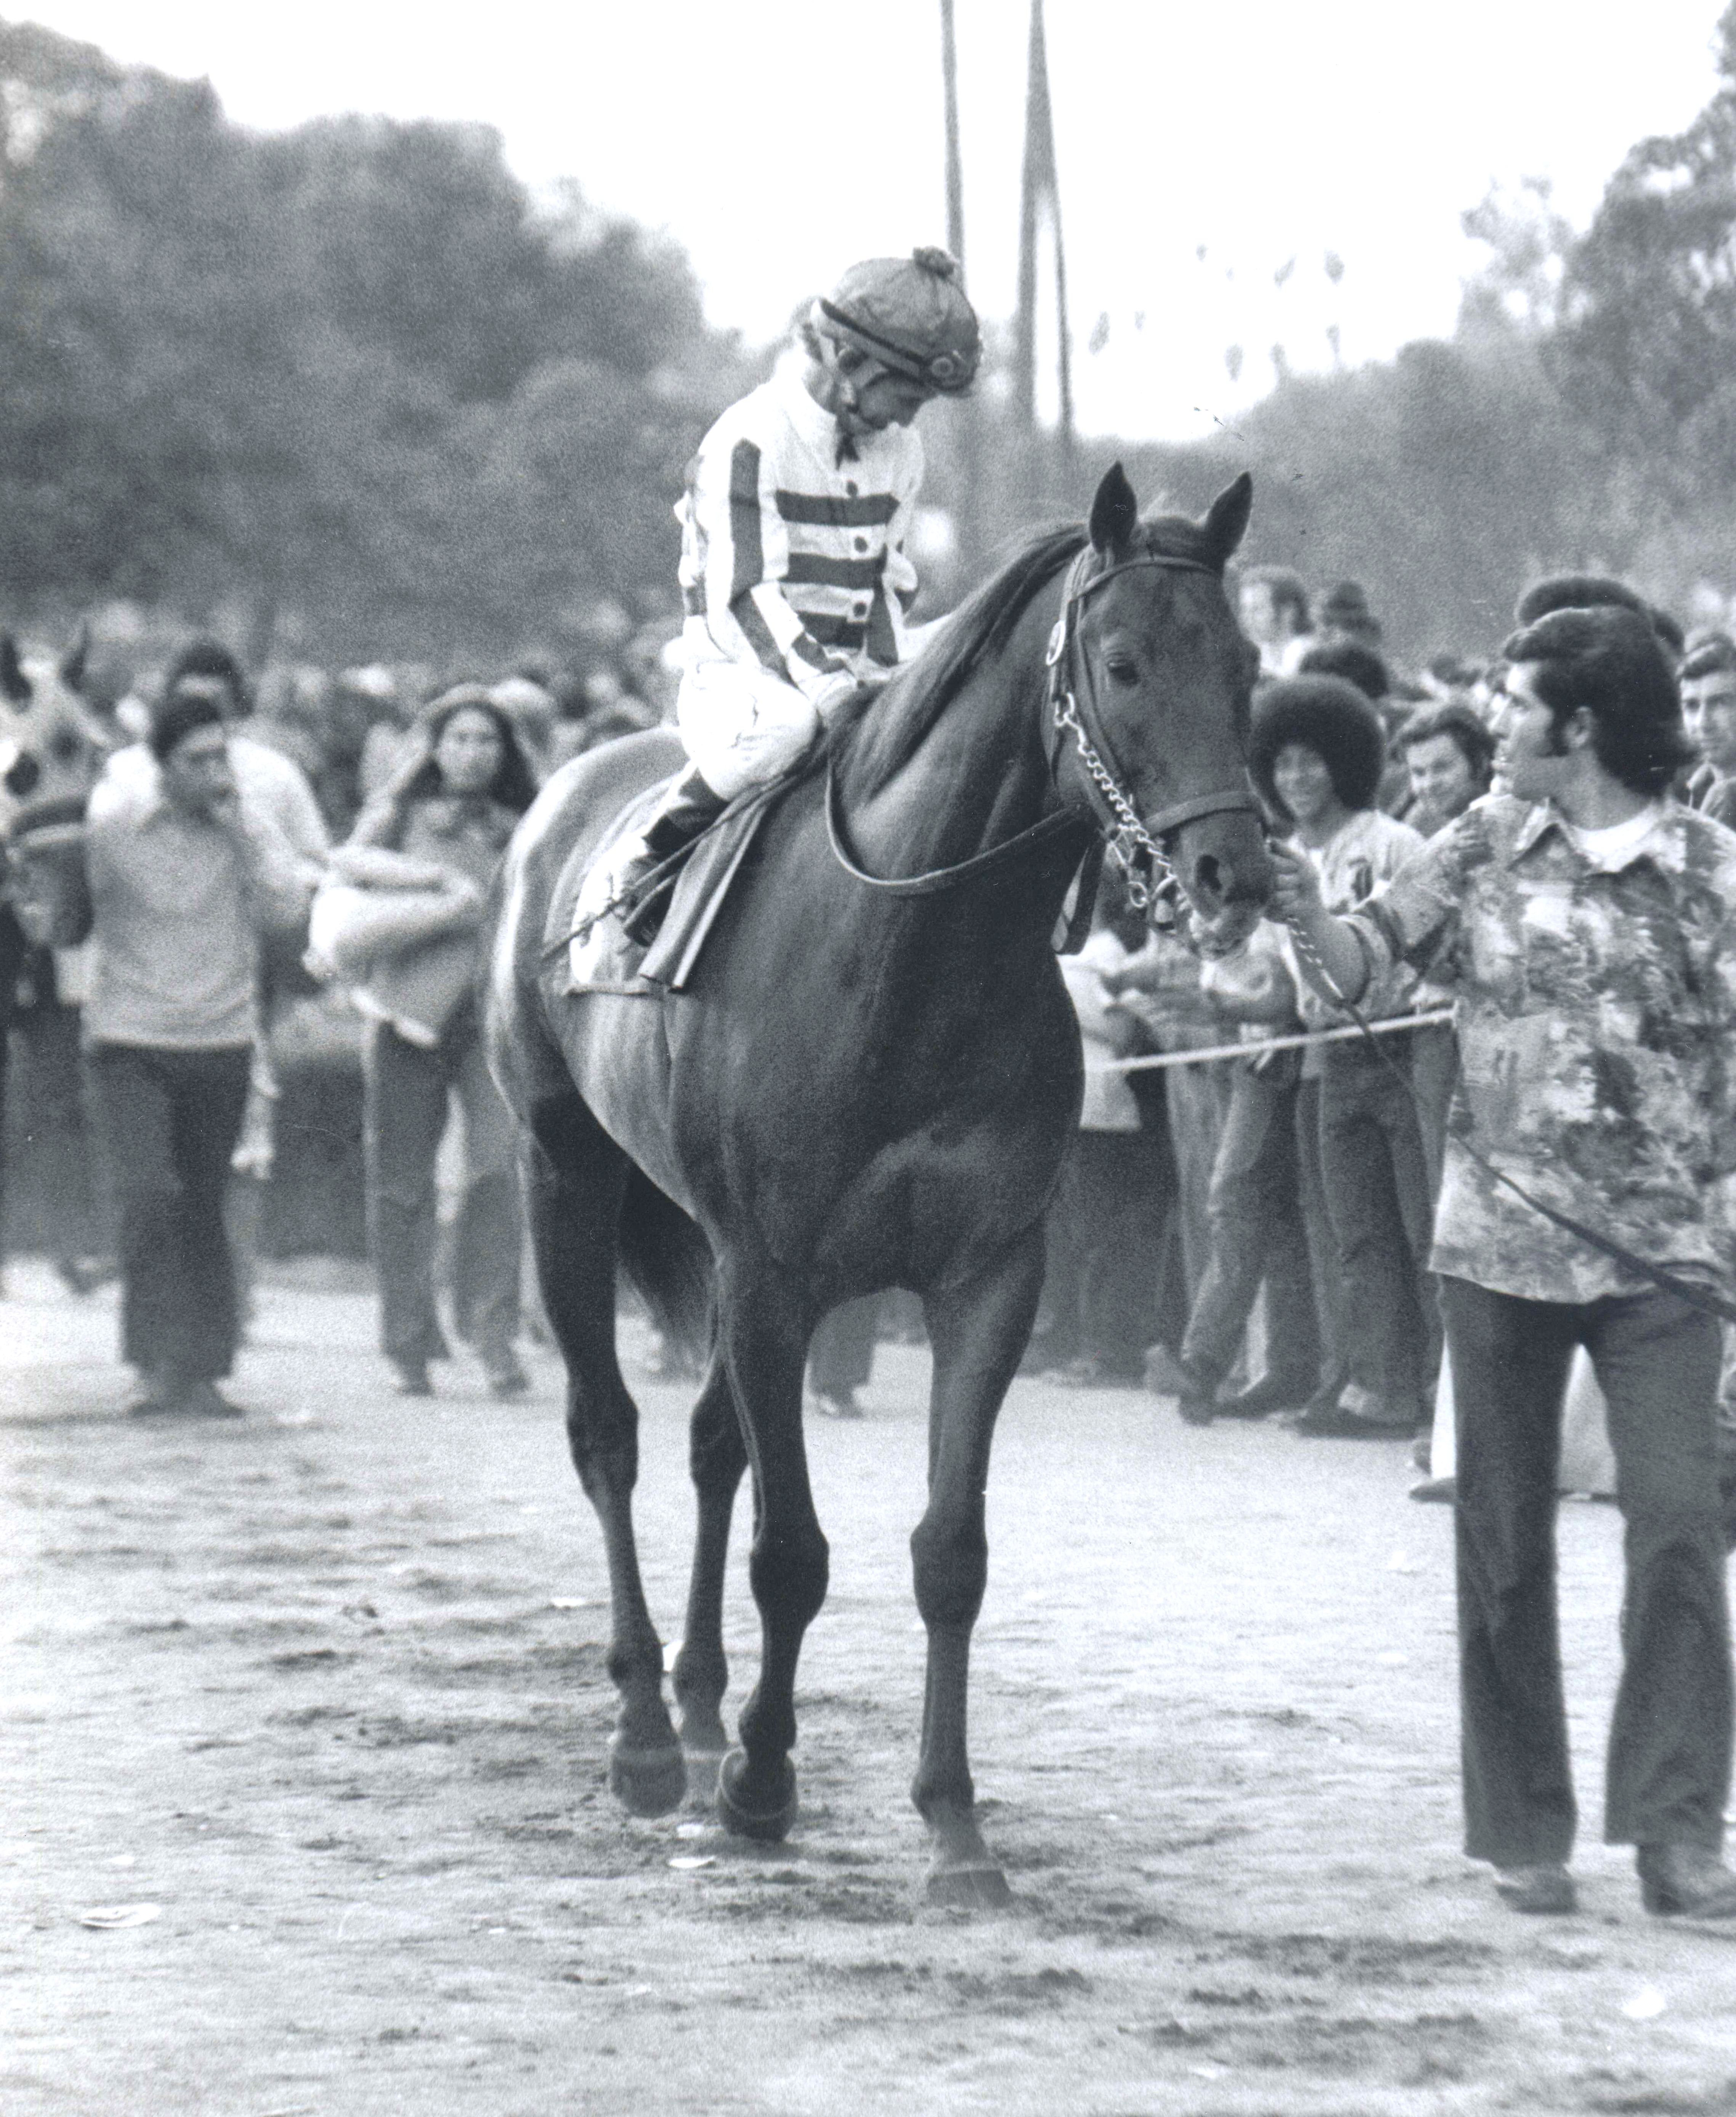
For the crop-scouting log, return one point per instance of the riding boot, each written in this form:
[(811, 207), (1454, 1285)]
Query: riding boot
[(684, 811)]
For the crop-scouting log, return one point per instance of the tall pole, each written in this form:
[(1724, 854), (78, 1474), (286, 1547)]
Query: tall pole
[(954, 159), (965, 427), (1040, 193)]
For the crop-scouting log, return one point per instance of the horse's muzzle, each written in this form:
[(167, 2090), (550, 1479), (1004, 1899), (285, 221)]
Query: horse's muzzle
[(1221, 863)]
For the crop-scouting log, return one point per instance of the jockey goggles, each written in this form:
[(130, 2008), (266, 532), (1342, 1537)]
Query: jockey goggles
[(948, 372)]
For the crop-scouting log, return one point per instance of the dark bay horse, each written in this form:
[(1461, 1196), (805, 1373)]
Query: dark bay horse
[(864, 1087)]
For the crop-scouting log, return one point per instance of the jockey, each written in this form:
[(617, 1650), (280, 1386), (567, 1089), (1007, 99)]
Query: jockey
[(793, 570)]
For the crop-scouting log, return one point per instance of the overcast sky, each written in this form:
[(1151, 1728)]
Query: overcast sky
[(777, 141)]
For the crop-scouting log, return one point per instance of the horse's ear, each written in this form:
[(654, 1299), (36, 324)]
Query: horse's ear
[(1114, 513), (13, 681), (1226, 518), (76, 659)]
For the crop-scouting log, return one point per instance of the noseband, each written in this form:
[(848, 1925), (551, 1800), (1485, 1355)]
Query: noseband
[(1133, 842)]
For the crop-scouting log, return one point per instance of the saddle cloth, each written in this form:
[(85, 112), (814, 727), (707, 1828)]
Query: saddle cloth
[(600, 957)]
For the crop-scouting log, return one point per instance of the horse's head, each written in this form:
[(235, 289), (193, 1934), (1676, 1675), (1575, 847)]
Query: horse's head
[(52, 744), (1153, 678)]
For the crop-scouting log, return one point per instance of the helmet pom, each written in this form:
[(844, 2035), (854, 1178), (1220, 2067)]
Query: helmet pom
[(941, 263)]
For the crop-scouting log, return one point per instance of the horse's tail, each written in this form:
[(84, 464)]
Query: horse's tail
[(668, 1260)]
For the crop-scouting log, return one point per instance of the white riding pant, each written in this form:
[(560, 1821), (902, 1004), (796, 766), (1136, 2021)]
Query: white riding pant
[(741, 725)]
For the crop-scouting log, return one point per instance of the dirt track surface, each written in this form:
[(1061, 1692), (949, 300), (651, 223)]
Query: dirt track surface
[(325, 1687)]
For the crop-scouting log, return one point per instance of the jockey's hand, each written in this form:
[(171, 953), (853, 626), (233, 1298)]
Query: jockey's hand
[(1295, 888)]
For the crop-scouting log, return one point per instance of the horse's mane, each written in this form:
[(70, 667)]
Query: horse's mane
[(881, 741)]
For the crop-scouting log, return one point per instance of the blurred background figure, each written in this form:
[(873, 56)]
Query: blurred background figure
[(182, 875), (1272, 605), (1098, 1312), (1343, 613), (1708, 679), (841, 1357), (446, 818), (1259, 1237)]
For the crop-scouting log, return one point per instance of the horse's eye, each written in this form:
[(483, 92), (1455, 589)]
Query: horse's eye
[(1122, 670)]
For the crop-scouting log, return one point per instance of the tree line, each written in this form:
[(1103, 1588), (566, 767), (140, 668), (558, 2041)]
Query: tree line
[(353, 373), (355, 376)]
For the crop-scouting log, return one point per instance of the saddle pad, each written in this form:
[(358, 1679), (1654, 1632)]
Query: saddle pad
[(600, 958)]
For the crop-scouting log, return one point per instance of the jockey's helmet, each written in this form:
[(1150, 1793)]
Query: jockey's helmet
[(911, 315)]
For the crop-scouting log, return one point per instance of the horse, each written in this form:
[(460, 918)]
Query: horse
[(52, 743), (871, 1081)]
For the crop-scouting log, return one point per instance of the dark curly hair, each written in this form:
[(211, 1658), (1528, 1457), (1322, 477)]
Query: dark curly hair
[(1351, 659), (1333, 719), (1712, 654), (208, 659), (1609, 660), (1595, 592), (1475, 743)]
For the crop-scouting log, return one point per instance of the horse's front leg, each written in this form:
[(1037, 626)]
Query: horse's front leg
[(718, 1457), (979, 1330), (765, 1325)]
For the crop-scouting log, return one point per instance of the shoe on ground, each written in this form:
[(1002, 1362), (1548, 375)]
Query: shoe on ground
[(1271, 1393), (1446, 1490), (1093, 1371), (1164, 1375), (836, 1404), (1685, 1880), (1545, 1891), (1337, 1422), (160, 1394), (507, 1379), (203, 1400), (410, 1378)]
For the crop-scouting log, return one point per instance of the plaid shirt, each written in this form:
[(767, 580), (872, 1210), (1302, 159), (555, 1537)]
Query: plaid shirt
[(1596, 1009)]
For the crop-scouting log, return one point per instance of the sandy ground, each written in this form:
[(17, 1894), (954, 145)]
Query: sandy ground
[(325, 1688)]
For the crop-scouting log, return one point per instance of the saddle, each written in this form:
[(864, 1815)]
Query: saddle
[(583, 918)]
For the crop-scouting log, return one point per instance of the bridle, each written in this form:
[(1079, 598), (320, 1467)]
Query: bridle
[(1133, 844)]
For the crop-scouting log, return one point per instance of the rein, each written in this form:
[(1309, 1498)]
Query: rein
[(1132, 843)]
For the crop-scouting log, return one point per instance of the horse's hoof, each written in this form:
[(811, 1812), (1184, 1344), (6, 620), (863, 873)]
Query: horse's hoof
[(975, 1888), (702, 1767), (647, 1782), (765, 1824)]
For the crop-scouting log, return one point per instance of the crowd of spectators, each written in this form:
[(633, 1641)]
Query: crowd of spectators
[(211, 814), (1292, 1189), (1247, 1233)]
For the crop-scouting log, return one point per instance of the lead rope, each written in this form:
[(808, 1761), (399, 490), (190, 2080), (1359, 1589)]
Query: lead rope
[(1702, 1298)]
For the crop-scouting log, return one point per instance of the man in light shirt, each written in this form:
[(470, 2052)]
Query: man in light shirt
[(1587, 927), (267, 784), (183, 879)]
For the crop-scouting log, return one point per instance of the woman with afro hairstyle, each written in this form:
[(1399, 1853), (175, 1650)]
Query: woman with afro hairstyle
[(1316, 754)]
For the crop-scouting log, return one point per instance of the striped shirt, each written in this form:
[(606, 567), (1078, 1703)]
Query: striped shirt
[(792, 561)]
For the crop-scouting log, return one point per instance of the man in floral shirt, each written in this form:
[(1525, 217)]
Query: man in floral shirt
[(1587, 928)]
